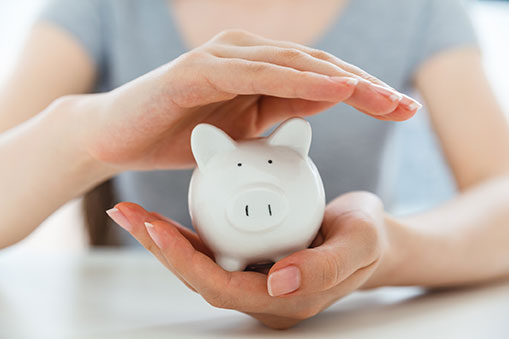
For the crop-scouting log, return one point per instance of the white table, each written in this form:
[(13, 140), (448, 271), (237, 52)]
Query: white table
[(128, 294)]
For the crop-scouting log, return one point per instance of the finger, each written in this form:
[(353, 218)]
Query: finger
[(378, 100), (273, 109), (351, 243), (250, 39), (247, 39), (366, 202), (248, 77), (405, 109), (399, 114), (132, 219), (375, 99), (287, 57), (243, 291), (193, 238), (357, 99), (407, 105), (275, 322), (321, 268)]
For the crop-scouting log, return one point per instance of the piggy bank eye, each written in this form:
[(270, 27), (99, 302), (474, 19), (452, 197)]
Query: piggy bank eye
[(270, 161), (239, 164)]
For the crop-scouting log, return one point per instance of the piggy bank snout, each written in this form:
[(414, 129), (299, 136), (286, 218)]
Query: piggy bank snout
[(257, 209)]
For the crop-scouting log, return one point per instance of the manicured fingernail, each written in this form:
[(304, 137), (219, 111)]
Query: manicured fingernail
[(153, 234), (388, 93), (414, 106), (410, 104), (283, 281), (345, 80), (119, 218)]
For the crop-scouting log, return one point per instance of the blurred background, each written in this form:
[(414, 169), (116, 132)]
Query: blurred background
[(429, 183)]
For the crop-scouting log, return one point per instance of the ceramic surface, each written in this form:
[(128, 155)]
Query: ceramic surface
[(255, 200)]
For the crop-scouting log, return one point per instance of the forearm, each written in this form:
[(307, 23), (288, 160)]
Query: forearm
[(43, 166), (464, 241)]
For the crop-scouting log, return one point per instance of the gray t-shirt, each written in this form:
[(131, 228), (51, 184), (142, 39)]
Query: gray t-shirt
[(390, 39)]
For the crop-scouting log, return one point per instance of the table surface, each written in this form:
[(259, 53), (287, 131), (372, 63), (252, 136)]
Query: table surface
[(128, 294)]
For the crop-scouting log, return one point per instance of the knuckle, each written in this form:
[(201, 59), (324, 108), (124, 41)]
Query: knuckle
[(213, 300), (364, 222), (187, 96), (300, 77), (359, 221), (331, 272), (232, 34), (217, 299), (150, 246), (368, 229), (290, 53), (255, 67), (220, 298), (193, 56), (306, 312), (316, 53), (365, 75), (373, 197), (365, 195), (64, 102)]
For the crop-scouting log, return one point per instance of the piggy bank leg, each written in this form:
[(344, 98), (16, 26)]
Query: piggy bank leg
[(230, 264)]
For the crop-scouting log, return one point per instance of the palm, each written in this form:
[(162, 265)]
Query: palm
[(146, 124), (351, 235), (244, 116)]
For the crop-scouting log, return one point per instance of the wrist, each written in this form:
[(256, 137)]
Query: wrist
[(67, 122), (392, 261), (47, 167)]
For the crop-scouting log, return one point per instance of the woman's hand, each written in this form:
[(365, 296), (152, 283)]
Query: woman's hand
[(238, 81), (351, 251)]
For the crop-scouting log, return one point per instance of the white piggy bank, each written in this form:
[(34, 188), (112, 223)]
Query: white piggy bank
[(255, 200)]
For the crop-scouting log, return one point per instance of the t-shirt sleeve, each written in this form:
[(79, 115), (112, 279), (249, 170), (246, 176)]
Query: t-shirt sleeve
[(82, 20), (444, 24)]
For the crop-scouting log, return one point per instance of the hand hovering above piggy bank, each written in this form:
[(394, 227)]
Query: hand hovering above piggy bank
[(255, 200)]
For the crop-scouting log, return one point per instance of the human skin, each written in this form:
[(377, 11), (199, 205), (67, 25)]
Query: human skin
[(462, 242), (240, 82), (359, 247), (470, 230)]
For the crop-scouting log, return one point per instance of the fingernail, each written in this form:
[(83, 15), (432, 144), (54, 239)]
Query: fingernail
[(153, 234), (386, 92), (410, 103), (283, 281), (119, 218), (345, 80)]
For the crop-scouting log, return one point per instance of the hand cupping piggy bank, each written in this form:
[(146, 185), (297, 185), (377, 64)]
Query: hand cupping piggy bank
[(255, 200)]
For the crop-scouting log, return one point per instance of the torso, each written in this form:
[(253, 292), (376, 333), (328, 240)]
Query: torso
[(352, 151), (349, 148), (262, 17)]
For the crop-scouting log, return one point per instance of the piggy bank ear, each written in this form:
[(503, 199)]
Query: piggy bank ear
[(207, 141), (294, 133)]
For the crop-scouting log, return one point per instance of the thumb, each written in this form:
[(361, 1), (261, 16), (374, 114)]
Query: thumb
[(352, 245)]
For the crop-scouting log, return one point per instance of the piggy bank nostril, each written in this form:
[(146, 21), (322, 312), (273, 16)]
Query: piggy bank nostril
[(246, 210), (256, 209)]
